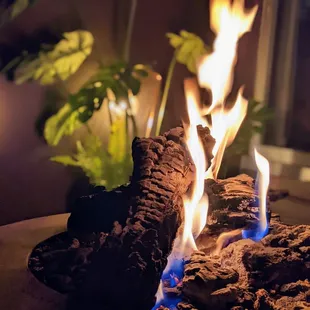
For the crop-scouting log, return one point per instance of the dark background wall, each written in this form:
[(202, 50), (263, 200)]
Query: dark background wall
[(30, 185)]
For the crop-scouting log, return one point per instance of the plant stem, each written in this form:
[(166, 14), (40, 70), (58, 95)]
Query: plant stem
[(88, 128), (11, 64), (130, 25), (133, 119), (165, 94)]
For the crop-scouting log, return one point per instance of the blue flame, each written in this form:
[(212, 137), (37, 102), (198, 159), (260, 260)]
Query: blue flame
[(254, 234), (173, 275), (258, 232)]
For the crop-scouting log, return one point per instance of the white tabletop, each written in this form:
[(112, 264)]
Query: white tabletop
[(19, 289)]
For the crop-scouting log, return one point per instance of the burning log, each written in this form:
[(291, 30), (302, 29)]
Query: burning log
[(273, 274), (126, 270), (233, 203), (98, 212)]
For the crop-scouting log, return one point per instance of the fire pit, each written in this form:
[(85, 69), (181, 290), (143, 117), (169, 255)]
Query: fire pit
[(177, 237)]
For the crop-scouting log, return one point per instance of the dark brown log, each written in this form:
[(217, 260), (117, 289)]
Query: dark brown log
[(272, 274), (125, 272), (98, 212), (233, 203)]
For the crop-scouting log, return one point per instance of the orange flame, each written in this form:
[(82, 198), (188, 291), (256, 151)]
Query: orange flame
[(224, 128), (196, 206), (215, 72), (225, 238), (257, 233), (229, 22)]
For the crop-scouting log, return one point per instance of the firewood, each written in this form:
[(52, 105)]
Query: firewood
[(271, 274), (125, 272), (233, 203), (98, 212)]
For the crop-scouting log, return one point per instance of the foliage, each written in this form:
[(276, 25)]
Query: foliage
[(256, 117), (48, 64), (26, 49), (64, 122), (188, 48), (59, 63), (11, 9), (18, 7), (118, 79), (106, 168)]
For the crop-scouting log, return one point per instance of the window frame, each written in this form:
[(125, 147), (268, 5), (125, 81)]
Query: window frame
[(275, 72)]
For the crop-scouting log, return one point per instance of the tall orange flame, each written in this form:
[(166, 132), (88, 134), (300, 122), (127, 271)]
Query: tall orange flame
[(215, 72), (224, 128), (229, 22), (196, 206)]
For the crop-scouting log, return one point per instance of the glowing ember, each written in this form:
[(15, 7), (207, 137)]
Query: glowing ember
[(263, 184)]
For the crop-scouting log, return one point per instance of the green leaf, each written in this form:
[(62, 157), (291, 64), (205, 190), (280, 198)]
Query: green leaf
[(188, 48), (141, 70), (133, 84), (11, 9), (102, 168), (64, 122), (175, 40), (65, 160), (60, 63), (119, 78), (18, 7), (117, 147)]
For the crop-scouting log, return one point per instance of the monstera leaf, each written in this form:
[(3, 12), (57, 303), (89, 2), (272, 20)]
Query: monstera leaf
[(78, 110), (65, 122), (188, 48), (119, 79), (59, 63)]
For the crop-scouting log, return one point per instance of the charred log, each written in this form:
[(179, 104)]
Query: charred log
[(230, 205), (125, 272), (98, 212), (233, 203), (272, 274)]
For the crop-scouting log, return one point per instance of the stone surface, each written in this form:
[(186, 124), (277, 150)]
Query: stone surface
[(19, 289)]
